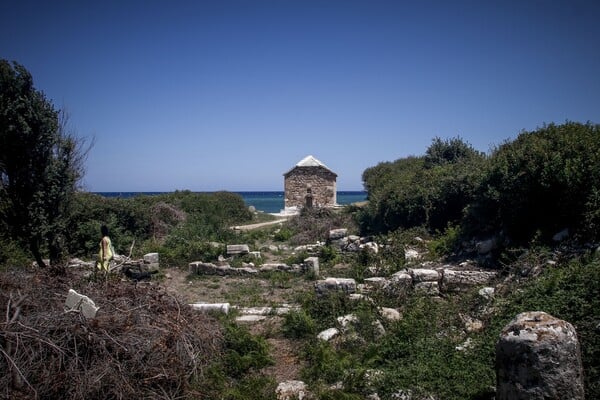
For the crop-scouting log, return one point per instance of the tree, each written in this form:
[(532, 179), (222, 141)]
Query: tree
[(40, 166)]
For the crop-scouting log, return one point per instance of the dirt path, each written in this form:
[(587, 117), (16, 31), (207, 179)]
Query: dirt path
[(245, 291), (279, 220)]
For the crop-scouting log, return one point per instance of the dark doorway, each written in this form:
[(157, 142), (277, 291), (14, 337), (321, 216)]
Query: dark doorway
[(309, 198)]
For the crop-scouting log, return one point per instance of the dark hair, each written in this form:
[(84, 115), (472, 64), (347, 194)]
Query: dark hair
[(104, 230)]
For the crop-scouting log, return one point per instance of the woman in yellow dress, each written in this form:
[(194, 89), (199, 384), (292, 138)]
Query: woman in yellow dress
[(105, 254)]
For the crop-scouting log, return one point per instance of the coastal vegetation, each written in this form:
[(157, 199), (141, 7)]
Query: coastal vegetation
[(536, 199)]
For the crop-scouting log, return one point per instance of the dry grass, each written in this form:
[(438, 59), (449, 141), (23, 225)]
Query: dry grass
[(143, 342)]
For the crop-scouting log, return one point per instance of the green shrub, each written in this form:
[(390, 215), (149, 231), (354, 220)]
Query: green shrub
[(283, 234), (324, 364), (298, 325), (244, 351), (328, 255), (544, 181), (432, 190), (446, 243)]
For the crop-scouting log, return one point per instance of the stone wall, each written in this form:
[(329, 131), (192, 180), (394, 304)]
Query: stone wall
[(317, 182)]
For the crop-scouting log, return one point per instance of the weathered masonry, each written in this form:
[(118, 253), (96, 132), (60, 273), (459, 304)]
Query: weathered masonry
[(310, 184)]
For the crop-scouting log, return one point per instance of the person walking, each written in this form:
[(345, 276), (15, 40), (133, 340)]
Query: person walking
[(106, 253)]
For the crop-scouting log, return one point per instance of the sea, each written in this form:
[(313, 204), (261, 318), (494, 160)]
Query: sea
[(268, 202)]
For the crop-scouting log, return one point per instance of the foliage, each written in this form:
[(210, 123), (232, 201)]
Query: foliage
[(298, 324), (326, 308), (545, 181), (449, 151), (432, 190), (532, 187), (40, 166), (244, 351), (179, 225), (328, 255), (446, 243), (325, 364), (235, 375)]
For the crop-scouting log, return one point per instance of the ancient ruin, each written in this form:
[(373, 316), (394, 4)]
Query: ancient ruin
[(310, 184)]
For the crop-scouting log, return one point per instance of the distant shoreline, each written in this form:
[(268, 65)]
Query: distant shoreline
[(266, 201)]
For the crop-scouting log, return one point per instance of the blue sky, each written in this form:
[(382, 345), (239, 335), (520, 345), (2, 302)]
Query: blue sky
[(229, 95)]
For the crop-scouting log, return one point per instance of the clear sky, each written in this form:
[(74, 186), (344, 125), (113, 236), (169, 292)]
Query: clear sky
[(229, 95)]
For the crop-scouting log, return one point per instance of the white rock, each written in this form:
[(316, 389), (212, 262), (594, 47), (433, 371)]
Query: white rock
[(345, 320), (81, 303), (463, 280), (487, 292), (391, 314), (347, 285), (233, 249), (424, 275), (205, 307), (151, 258), (288, 390), (328, 334), (250, 318), (311, 265), (376, 282), (466, 345), (411, 255)]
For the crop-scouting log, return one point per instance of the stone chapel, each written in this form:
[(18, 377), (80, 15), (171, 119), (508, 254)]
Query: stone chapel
[(310, 184)]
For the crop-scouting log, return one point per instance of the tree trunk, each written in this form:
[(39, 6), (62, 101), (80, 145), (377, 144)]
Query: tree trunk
[(35, 251)]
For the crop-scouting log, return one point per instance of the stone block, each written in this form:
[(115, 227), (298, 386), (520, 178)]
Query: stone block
[(151, 258), (428, 288), (202, 268), (336, 234), (424, 275), (236, 249), (538, 357), (328, 334), (80, 303), (311, 265), (152, 267), (463, 280), (291, 390), (207, 307), (411, 255), (346, 285)]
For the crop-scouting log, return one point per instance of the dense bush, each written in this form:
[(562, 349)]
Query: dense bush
[(540, 183), (179, 225), (432, 190), (534, 186)]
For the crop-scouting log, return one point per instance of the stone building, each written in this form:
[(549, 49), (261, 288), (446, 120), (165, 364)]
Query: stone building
[(310, 184)]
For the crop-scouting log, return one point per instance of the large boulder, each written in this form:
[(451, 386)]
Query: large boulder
[(538, 357), (399, 283)]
